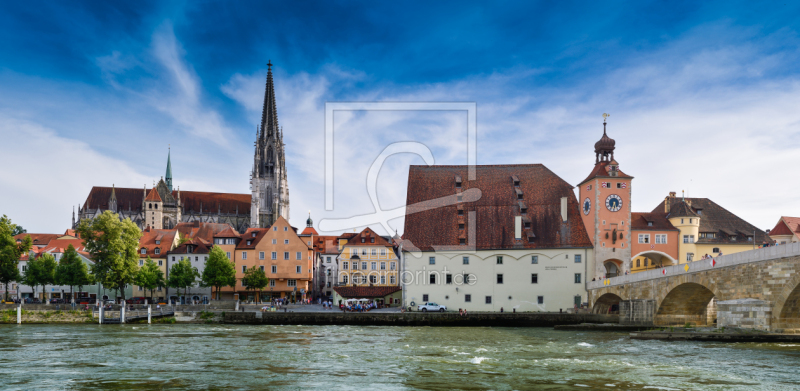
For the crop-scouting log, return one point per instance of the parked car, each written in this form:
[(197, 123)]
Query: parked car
[(85, 300), (135, 300), (430, 306), (56, 301)]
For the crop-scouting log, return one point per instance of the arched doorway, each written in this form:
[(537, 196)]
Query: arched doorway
[(607, 304), (613, 267), (687, 303)]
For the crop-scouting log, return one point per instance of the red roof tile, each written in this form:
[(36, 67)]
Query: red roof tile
[(364, 239), (716, 219), (309, 231), (153, 196), (600, 171), (128, 198), (326, 244), (38, 239), (365, 292), (207, 231), (659, 221), (165, 237), (437, 222)]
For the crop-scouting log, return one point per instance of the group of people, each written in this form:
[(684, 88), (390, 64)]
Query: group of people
[(710, 256), (326, 304), (358, 307), (462, 312)]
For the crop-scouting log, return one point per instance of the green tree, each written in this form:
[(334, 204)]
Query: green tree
[(149, 277), (40, 271), (219, 271), (18, 230), (10, 252), (113, 245), (255, 279), (72, 271), (182, 275)]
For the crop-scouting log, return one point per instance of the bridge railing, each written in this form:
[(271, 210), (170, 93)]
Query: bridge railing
[(750, 256)]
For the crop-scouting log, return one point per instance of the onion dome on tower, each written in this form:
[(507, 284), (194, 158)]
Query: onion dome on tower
[(604, 148)]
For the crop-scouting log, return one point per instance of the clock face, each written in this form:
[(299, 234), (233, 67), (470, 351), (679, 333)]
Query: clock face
[(587, 206), (613, 202)]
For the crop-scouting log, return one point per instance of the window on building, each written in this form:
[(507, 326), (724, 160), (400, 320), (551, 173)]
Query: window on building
[(644, 238), (392, 280), (432, 279), (260, 255), (534, 259), (244, 268), (448, 278), (364, 252), (461, 212), (286, 255), (424, 297), (534, 278), (160, 263), (344, 278), (285, 228), (383, 279), (374, 265), (299, 255), (140, 289), (499, 260), (244, 254), (355, 265), (298, 269), (468, 298), (577, 258), (488, 299), (274, 241), (715, 250), (690, 221), (285, 241), (383, 251), (462, 241), (231, 241), (363, 265), (465, 260), (645, 262), (383, 265), (577, 278), (345, 265), (274, 269), (141, 262), (661, 239), (144, 251), (499, 278), (249, 242), (689, 257), (392, 266), (373, 279), (228, 254), (328, 260), (461, 226), (261, 267), (540, 299), (291, 282), (272, 283), (274, 228), (374, 251), (274, 255), (637, 263), (431, 260)]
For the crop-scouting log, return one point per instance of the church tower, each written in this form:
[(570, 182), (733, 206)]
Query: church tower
[(605, 197), (268, 183)]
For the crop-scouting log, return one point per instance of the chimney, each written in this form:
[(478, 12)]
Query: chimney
[(563, 208), (668, 201)]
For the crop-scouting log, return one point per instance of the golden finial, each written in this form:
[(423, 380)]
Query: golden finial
[(605, 115)]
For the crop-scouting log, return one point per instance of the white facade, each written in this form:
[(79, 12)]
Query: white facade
[(525, 280), (196, 292)]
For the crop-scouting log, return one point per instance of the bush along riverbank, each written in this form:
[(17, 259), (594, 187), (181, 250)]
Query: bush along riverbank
[(43, 317)]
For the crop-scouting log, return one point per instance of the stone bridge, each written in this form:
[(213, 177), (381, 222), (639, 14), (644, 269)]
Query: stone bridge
[(751, 289)]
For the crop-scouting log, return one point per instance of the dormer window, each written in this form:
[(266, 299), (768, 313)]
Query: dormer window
[(158, 251), (519, 193), (527, 225), (531, 237), (462, 241), (649, 223), (249, 242), (461, 226), (363, 240), (158, 242), (144, 251), (515, 180), (461, 212), (459, 198), (372, 240), (458, 181), (252, 235)]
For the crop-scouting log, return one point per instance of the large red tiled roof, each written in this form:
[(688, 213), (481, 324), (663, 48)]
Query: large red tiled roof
[(326, 244), (437, 223), (248, 236), (198, 246), (659, 221), (600, 171), (128, 198), (309, 231), (206, 231), (365, 292)]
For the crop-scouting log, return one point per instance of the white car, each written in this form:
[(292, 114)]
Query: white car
[(425, 307)]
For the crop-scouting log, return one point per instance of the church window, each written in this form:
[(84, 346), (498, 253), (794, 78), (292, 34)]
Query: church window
[(156, 207), (149, 206)]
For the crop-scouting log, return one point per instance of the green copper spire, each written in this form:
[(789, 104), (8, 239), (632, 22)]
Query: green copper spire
[(168, 177)]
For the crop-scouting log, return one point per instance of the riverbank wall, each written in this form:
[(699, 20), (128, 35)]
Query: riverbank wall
[(492, 319)]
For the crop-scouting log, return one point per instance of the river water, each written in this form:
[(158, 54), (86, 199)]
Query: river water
[(209, 357)]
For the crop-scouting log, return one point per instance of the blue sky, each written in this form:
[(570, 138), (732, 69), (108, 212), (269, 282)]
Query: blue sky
[(702, 95)]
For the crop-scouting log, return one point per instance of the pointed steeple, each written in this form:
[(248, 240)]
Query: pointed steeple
[(112, 201), (168, 177), (269, 114)]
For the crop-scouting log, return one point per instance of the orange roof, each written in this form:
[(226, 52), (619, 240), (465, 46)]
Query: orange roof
[(787, 226), (150, 236), (38, 239), (153, 196), (309, 231), (326, 244), (207, 231), (365, 239)]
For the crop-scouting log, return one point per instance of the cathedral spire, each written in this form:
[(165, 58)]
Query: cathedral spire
[(168, 177), (269, 114)]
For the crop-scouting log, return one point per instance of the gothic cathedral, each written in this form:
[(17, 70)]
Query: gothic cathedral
[(270, 189)]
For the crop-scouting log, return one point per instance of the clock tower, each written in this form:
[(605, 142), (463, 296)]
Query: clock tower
[(605, 197)]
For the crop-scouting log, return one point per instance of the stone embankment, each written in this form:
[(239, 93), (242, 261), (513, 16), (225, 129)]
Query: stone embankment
[(537, 319), (727, 336)]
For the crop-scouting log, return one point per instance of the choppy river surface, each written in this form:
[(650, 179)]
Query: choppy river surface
[(204, 357)]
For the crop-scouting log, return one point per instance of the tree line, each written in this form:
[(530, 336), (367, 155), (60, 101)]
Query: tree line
[(113, 247)]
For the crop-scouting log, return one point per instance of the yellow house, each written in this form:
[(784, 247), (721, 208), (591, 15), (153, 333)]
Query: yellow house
[(368, 259), (707, 229)]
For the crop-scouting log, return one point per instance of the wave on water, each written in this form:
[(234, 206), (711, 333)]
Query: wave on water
[(585, 344), (478, 360), (480, 350)]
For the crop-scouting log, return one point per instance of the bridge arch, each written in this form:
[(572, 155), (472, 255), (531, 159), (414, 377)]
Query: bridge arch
[(663, 258), (786, 312), (687, 302), (606, 304)]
